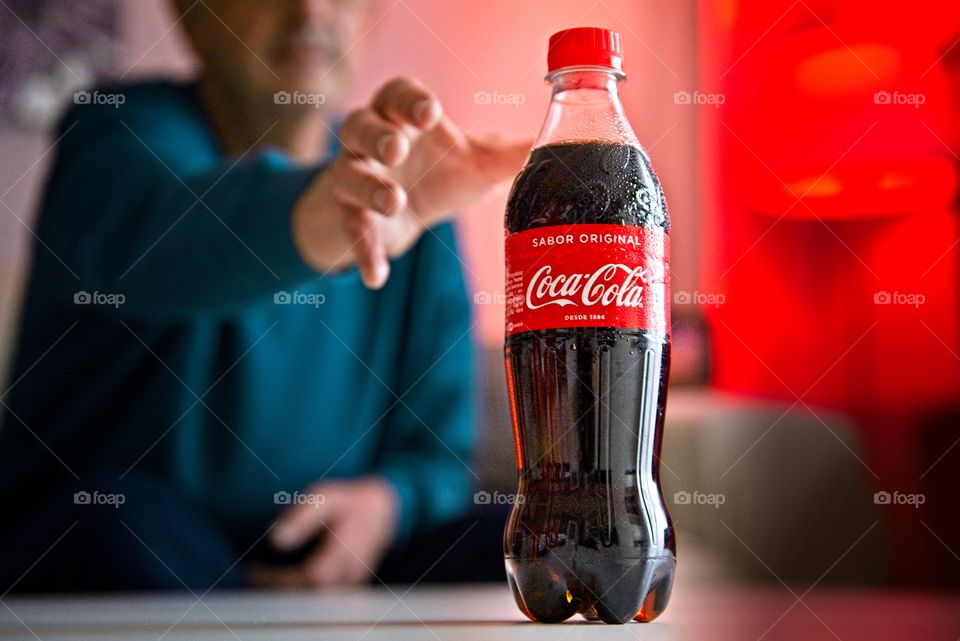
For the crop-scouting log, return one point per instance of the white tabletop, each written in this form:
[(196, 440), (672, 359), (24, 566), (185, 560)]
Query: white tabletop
[(487, 612)]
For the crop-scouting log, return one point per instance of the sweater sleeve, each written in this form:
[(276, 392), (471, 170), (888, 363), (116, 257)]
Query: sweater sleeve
[(427, 450), (141, 204)]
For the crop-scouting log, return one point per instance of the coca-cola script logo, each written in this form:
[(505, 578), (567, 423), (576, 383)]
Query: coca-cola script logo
[(611, 284), (590, 275)]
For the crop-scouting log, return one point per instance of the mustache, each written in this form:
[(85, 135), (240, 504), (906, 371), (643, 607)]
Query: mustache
[(314, 36)]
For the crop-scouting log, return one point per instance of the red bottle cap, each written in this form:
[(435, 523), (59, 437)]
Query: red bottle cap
[(585, 47)]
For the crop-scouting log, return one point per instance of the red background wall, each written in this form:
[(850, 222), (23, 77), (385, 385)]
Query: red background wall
[(826, 201)]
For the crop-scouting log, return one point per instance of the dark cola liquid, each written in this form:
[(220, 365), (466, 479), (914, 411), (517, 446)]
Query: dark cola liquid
[(591, 534)]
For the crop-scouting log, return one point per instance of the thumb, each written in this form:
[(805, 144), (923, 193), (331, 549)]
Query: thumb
[(501, 159), (302, 521)]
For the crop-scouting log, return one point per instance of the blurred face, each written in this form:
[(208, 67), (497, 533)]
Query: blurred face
[(260, 47)]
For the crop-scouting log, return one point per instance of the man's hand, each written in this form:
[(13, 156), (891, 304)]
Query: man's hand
[(404, 167), (356, 521)]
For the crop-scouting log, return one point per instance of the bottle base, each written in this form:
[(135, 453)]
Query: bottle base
[(547, 590)]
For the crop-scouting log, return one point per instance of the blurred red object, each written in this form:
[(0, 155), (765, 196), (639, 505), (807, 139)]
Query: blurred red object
[(834, 236), (853, 121)]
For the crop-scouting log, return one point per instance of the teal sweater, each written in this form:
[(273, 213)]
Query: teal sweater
[(170, 328)]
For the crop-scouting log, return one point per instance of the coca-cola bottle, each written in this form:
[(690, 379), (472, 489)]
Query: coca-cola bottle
[(588, 353)]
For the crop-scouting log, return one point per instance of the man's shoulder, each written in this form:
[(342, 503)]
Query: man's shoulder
[(149, 101), (152, 118)]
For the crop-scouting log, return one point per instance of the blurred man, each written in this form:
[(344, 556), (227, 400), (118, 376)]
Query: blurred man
[(245, 350)]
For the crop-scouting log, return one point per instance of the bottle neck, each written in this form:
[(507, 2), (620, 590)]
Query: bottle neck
[(585, 105)]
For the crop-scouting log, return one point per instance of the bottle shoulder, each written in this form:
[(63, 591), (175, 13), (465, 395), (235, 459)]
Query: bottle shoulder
[(587, 182)]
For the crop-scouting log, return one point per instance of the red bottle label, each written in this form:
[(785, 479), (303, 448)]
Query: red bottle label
[(587, 276)]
